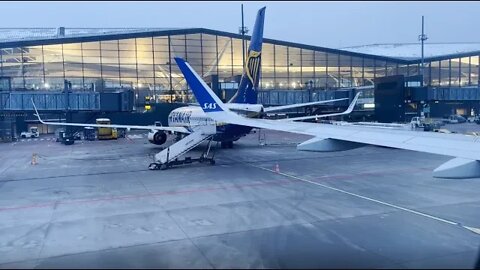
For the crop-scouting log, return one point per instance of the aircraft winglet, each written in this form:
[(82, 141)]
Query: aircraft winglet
[(36, 112), (354, 102)]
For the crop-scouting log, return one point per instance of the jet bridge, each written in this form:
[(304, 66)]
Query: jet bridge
[(169, 156), (49, 101)]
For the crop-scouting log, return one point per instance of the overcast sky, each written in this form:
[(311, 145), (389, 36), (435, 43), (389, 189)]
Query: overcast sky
[(329, 24)]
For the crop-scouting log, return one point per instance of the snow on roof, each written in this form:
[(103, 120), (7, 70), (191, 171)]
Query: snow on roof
[(410, 51), (22, 34), (407, 51)]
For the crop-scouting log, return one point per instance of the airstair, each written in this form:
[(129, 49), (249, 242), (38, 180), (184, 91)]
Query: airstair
[(169, 156)]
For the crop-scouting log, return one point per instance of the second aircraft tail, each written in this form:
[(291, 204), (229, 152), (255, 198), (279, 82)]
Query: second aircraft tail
[(247, 91)]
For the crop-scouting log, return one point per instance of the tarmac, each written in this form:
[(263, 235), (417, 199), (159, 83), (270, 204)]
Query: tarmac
[(263, 204)]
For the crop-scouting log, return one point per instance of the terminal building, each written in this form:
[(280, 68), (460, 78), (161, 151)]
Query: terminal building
[(120, 70)]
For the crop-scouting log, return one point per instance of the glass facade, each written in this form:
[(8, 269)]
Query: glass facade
[(146, 64)]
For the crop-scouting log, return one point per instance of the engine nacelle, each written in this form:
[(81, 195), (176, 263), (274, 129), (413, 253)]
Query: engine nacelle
[(157, 137)]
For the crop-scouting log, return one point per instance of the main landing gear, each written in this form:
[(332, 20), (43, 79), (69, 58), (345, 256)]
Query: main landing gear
[(226, 144)]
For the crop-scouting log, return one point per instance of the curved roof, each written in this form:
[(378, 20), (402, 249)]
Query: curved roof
[(24, 34), (405, 53)]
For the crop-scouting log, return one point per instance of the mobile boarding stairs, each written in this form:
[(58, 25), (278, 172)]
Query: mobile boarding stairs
[(168, 157)]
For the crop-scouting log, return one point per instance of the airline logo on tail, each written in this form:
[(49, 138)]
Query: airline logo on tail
[(252, 68), (209, 106), (205, 96)]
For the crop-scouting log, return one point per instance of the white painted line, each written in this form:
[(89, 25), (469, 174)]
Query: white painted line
[(475, 230)]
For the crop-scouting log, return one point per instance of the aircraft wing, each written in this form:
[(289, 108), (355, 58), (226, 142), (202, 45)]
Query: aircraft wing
[(347, 111), (465, 148), (173, 129), (285, 107)]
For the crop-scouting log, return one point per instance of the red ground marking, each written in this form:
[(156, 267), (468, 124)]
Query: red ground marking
[(146, 195), (210, 189)]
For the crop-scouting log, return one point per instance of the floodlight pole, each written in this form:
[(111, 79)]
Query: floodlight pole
[(422, 38)]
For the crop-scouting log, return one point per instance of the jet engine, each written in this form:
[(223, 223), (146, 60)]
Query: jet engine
[(157, 137)]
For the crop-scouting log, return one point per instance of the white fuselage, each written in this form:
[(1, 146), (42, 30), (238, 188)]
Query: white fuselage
[(191, 116)]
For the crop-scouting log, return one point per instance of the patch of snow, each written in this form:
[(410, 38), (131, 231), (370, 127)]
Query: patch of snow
[(414, 50)]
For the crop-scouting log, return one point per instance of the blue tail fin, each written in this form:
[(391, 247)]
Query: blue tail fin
[(247, 91), (209, 102)]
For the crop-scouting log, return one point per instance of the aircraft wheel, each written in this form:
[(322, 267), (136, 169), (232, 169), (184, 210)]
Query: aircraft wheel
[(212, 162)]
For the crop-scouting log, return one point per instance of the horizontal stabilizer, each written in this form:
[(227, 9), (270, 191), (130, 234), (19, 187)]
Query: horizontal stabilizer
[(458, 168), (327, 145)]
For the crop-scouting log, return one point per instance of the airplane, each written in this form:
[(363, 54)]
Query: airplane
[(244, 101), (465, 149), (192, 122)]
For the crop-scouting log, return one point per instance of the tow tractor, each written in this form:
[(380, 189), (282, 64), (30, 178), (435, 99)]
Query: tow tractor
[(106, 133), (426, 124), (33, 133)]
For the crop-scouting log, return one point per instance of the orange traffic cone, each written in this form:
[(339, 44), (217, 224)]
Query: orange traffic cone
[(34, 159)]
